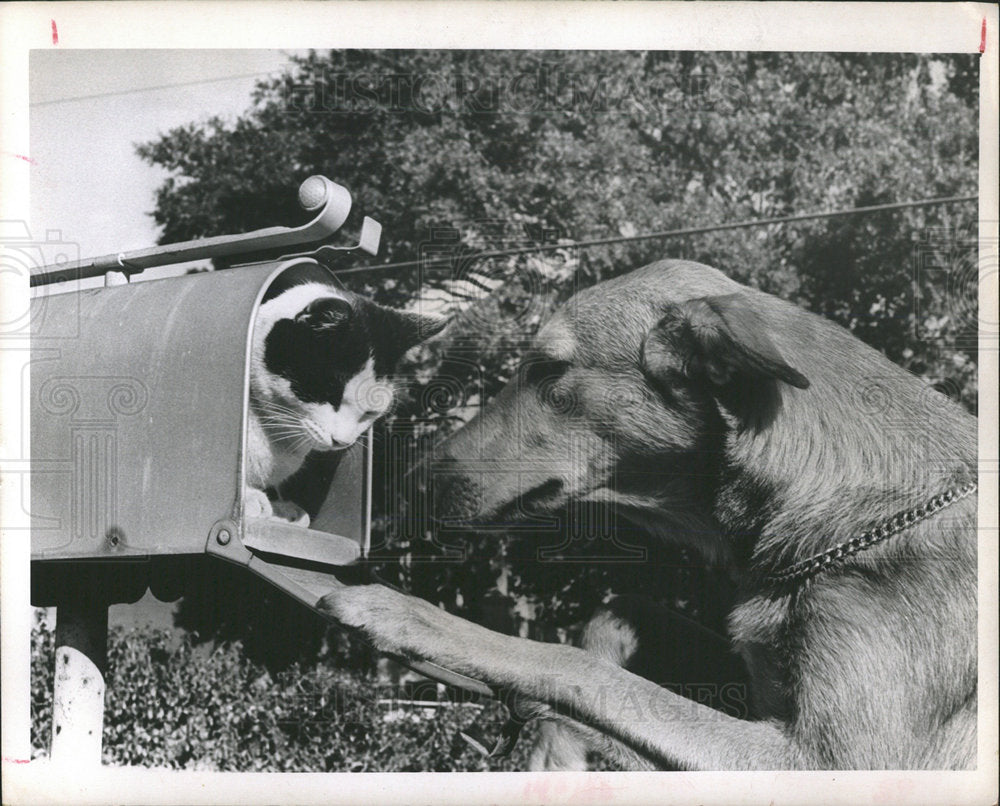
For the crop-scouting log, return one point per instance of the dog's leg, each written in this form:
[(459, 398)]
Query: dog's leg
[(655, 642), (653, 721), (559, 746), (564, 744)]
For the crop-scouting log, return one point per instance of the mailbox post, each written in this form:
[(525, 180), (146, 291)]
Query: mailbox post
[(78, 689)]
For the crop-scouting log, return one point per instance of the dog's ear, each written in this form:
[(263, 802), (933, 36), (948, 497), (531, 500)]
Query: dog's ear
[(716, 338)]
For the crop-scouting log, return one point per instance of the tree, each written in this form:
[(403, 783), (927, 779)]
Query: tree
[(459, 151)]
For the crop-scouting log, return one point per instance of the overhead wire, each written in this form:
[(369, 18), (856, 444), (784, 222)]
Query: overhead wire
[(663, 234), (152, 88)]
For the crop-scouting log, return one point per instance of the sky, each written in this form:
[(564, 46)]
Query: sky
[(89, 108)]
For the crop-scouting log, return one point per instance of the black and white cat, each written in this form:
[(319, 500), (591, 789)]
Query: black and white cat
[(318, 379)]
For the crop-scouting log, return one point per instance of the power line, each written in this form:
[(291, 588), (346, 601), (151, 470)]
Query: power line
[(675, 233), (178, 85)]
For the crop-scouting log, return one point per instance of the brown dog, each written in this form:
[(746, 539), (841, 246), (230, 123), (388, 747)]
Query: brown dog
[(653, 641), (836, 487)]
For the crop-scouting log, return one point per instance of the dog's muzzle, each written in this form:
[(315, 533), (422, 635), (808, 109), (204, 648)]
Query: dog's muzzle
[(455, 496)]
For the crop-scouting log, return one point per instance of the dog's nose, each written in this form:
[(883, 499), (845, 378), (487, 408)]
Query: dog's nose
[(455, 496)]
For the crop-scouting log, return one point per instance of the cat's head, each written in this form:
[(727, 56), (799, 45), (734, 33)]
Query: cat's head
[(320, 363)]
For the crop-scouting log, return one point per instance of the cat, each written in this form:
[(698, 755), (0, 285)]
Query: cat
[(318, 379)]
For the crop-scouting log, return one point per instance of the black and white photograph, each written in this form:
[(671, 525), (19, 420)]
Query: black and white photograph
[(407, 401)]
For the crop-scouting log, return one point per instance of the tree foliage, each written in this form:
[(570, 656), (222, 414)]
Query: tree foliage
[(458, 152)]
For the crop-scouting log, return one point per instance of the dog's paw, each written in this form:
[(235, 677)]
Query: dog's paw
[(355, 606), (382, 614), (291, 512), (256, 504)]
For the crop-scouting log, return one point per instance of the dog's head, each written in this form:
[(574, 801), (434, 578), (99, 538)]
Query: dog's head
[(624, 398)]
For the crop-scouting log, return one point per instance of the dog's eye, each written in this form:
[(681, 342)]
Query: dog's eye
[(539, 370), (559, 398)]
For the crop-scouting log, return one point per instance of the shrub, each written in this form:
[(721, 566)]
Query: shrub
[(172, 704)]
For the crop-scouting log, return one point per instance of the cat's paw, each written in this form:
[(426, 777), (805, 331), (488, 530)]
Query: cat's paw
[(291, 512), (256, 504)]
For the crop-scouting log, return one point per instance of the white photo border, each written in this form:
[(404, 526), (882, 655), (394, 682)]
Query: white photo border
[(827, 26)]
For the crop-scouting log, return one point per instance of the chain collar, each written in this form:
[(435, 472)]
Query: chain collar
[(899, 522)]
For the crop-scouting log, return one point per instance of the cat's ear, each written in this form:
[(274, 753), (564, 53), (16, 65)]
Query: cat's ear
[(413, 328), (429, 326), (325, 313)]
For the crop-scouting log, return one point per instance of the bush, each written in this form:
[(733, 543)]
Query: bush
[(172, 704)]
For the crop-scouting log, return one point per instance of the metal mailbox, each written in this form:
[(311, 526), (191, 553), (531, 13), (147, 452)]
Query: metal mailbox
[(139, 409)]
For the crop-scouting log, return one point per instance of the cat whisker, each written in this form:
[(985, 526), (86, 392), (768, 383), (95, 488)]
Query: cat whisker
[(293, 438), (270, 408), (282, 424), (283, 428), (281, 417), (289, 439), (277, 408), (282, 421)]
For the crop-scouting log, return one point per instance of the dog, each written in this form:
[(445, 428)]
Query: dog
[(658, 643), (837, 489)]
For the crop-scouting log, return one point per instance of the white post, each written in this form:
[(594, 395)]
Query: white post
[(78, 695)]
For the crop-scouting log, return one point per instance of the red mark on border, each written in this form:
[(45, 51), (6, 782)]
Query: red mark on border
[(55, 33), (19, 156), (17, 760), (982, 38)]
